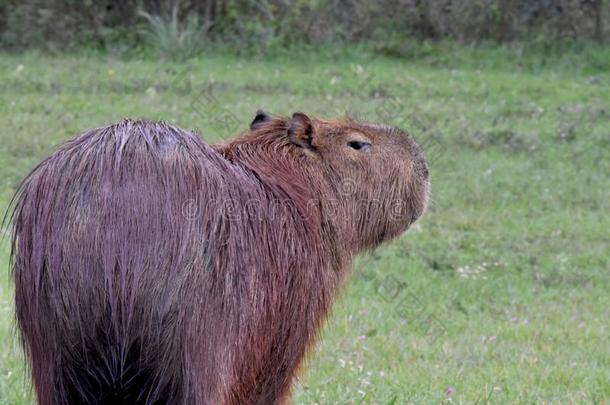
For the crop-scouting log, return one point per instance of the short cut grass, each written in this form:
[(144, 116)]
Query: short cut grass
[(500, 293)]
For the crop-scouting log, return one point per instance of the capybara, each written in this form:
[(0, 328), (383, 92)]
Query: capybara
[(153, 268)]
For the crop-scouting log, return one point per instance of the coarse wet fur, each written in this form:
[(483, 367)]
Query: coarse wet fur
[(152, 268)]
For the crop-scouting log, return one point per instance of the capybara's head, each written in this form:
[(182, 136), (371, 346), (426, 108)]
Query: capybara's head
[(376, 176)]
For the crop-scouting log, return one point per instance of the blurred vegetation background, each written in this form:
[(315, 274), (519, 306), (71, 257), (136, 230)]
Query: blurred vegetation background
[(131, 26)]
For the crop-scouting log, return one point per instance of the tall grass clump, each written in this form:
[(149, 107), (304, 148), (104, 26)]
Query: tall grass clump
[(171, 37)]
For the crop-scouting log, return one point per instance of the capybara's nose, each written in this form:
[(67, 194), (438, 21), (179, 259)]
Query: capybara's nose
[(421, 167)]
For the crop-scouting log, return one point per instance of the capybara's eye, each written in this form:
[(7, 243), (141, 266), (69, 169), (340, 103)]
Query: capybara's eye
[(358, 145)]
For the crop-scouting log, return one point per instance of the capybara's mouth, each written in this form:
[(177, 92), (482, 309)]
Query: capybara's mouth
[(426, 201), (421, 167), (423, 197)]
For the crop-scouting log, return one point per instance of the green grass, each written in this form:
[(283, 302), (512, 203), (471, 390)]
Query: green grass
[(500, 292)]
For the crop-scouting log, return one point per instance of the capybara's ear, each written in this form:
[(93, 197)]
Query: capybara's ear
[(300, 130), (260, 118)]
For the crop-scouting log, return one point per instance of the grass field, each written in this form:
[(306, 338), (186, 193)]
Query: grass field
[(499, 295)]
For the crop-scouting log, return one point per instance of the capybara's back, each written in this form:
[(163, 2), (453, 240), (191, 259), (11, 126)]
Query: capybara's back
[(102, 247)]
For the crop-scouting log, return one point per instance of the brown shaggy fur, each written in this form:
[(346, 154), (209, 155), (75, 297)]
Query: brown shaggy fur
[(152, 268)]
